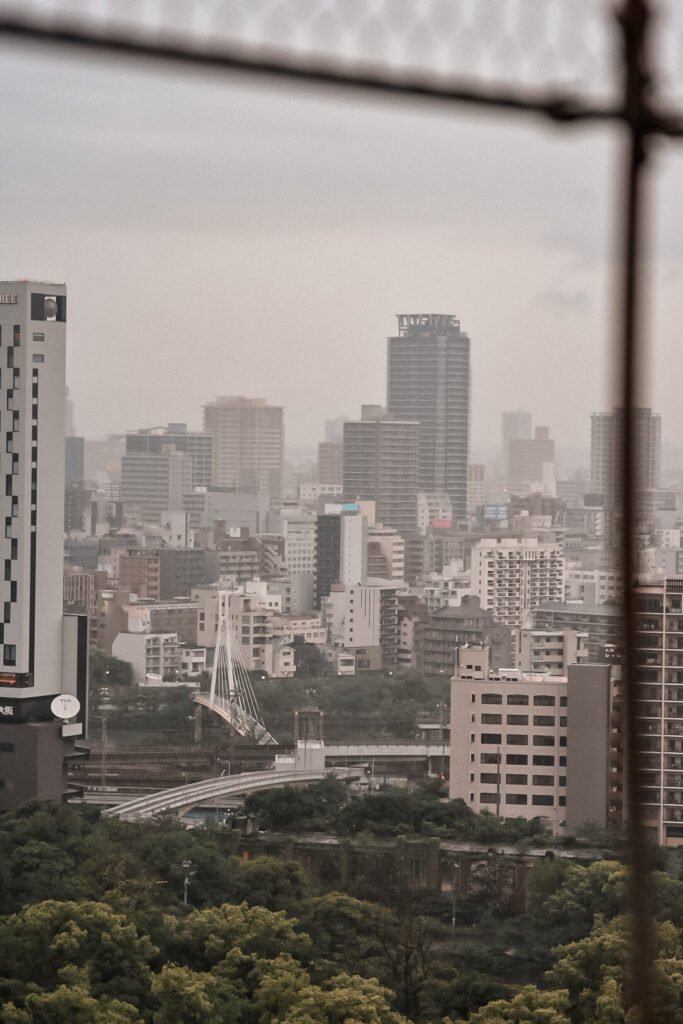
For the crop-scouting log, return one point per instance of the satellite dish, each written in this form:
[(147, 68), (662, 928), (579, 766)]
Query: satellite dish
[(65, 706)]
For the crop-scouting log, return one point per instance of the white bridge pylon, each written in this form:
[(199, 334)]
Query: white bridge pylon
[(231, 695)]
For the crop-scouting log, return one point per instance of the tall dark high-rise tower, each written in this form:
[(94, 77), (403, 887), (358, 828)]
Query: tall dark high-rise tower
[(428, 379)]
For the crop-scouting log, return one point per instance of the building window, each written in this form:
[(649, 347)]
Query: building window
[(10, 654), (486, 798), (491, 737), (543, 780), (516, 780), (517, 719), (492, 698), (517, 739), (491, 719), (517, 698), (516, 798), (544, 701), (563, 762), (544, 720), (6, 748), (543, 760), (542, 800), (517, 759), (38, 357), (489, 778), (544, 741), (488, 758), (7, 617)]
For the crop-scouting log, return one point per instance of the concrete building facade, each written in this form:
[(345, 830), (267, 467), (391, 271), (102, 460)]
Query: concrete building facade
[(514, 575), (381, 465)]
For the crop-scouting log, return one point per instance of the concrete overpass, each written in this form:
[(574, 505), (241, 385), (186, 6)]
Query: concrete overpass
[(183, 798)]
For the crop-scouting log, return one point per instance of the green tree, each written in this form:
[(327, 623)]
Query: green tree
[(69, 1004), (270, 883), (530, 1005), (208, 936), (109, 671), (182, 995), (45, 939)]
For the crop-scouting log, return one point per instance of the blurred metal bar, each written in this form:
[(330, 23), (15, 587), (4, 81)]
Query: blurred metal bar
[(634, 21), (361, 76)]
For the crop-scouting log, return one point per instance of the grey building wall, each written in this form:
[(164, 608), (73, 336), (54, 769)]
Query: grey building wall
[(588, 745)]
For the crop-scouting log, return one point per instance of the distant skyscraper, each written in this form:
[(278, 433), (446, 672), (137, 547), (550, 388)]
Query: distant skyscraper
[(42, 652), (607, 438), (516, 425), (341, 548), (248, 444), (381, 465), (156, 482), (428, 379)]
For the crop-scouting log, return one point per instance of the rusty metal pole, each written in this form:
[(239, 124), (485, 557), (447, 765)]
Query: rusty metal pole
[(634, 21)]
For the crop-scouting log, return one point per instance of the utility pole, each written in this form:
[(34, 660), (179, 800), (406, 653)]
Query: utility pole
[(188, 873)]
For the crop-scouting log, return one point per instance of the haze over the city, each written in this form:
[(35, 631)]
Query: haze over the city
[(225, 238)]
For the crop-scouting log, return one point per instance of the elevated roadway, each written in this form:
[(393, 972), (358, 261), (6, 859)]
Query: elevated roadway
[(183, 798)]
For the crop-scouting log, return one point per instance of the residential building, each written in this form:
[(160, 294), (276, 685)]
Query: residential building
[(248, 444), (207, 506), (386, 552), (551, 651), (601, 623), (594, 586), (433, 510), (341, 547), (381, 465), (196, 444), (251, 613), (476, 487), (527, 745), (139, 572), (658, 676), (150, 654), (446, 630), (428, 380), (514, 575), (43, 653), (364, 619), (81, 589), (448, 587)]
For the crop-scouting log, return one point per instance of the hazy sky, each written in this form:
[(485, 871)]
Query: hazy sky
[(219, 237)]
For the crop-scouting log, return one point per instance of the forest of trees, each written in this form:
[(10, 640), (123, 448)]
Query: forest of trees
[(94, 929)]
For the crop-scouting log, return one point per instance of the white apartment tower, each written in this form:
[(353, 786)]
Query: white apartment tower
[(43, 653), (512, 576)]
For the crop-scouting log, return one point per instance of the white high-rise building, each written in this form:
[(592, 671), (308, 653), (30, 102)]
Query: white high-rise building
[(512, 576), (42, 652)]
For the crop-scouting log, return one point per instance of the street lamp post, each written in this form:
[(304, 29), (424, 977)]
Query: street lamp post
[(188, 873), (455, 885)]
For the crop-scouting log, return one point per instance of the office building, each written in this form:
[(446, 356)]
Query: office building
[(156, 440), (527, 745), (476, 487), (248, 444), (43, 653), (364, 619), (155, 482), (433, 510), (428, 380), (607, 441), (381, 465), (551, 651), (514, 575)]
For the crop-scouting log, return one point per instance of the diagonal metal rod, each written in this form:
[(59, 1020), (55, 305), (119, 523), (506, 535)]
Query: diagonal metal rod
[(363, 76), (633, 19)]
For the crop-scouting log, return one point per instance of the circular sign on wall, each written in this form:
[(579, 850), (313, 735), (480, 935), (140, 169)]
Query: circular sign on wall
[(65, 706)]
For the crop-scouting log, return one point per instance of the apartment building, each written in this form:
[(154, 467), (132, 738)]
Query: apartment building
[(150, 654), (533, 745), (512, 576), (551, 651)]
